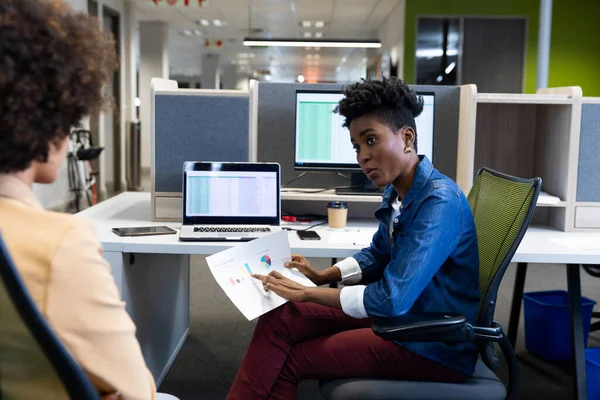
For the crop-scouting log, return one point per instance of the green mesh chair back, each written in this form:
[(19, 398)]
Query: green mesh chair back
[(502, 207), (33, 362)]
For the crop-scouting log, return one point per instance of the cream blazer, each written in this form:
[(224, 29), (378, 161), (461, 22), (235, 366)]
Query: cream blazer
[(60, 260)]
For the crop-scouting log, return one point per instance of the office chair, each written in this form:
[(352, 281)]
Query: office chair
[(32, 359), (502, 207)]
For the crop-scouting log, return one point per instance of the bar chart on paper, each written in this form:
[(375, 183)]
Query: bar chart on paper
[(233, 269)]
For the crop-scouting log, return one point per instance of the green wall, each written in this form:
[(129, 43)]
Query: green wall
[(575, 44)]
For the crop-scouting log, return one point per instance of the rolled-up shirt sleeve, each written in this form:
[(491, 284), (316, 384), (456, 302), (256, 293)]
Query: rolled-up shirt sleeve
[(352, 300), (350, 271)]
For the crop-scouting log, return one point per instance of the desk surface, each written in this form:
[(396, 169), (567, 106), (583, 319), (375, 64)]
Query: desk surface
[(540, 244)]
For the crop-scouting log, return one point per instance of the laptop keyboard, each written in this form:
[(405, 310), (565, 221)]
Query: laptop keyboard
[(231, 230)]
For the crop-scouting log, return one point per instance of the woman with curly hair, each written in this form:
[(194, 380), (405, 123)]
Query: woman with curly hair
[(423, 258), (53, 66)]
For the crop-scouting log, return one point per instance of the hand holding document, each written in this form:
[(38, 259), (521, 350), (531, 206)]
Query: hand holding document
[(233, 269)]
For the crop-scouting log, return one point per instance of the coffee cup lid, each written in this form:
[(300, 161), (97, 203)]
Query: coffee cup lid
[(337, 204)]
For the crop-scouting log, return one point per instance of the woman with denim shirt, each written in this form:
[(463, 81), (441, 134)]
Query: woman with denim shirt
[(423, 258)]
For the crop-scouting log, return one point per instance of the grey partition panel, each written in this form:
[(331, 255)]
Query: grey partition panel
[(197, 128), (277, 125), (445, 127), (588, 176), (277, 130)]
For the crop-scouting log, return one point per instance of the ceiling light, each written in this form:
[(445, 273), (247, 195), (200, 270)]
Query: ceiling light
[(308, 48), (317, 48), (243, 55), (319, 24), (197, 32), (430, 53), (307, 34), (309, 56), (252, 55), (450, 67), (338, 69), (204, 22), (186, 32), (217, 22), (242, 62), (301, 78), (344, 59), (260, 42), (268, 78), (316, 56), (306, 24), (439, 78), (318, 35)]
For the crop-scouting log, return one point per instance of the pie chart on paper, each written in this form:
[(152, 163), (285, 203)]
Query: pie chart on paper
[(266, 261)]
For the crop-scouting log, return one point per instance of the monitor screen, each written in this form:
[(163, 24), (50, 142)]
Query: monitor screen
[(322, 143), (231, 194)]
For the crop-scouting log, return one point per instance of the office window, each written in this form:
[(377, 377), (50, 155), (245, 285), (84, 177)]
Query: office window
[(437, 50)]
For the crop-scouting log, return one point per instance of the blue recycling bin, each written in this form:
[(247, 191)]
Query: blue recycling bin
[(592, 373), (547, 327)]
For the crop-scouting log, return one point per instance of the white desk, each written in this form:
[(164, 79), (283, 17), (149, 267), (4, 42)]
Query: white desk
[(152, 273)]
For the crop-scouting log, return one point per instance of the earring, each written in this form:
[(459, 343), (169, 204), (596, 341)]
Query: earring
[(407, 150)]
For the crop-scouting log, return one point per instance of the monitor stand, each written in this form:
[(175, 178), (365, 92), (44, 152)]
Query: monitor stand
[(360, 185)]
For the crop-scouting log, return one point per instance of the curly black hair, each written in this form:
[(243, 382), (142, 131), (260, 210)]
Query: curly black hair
[(390, 101), (53, 66)]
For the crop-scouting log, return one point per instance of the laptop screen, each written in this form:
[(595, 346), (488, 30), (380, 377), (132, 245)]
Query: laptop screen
[(231, 193)]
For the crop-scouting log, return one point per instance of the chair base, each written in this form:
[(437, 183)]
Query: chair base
[(482, 385)]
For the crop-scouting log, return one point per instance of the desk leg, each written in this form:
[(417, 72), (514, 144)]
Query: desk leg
[(333, 284), (156, 288), (515, 309), (574, 287)]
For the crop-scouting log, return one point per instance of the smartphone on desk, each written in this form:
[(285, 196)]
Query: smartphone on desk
[(308, 235), (144, 231)]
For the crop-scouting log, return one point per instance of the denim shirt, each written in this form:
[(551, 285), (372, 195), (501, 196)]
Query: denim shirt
[(430, 264)]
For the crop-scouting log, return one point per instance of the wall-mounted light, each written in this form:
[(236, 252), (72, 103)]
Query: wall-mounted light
[(261, 42)]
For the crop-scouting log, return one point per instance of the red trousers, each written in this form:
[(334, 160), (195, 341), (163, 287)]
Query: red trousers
[(300, 341)]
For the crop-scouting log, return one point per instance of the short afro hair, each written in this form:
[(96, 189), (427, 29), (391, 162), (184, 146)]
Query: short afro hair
[(54, 64), (390, 101)]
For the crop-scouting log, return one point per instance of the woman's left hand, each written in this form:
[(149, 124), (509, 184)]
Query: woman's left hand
[(282, 286)]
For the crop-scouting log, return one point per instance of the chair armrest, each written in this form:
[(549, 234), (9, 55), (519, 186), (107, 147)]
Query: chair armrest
[(447, 328)]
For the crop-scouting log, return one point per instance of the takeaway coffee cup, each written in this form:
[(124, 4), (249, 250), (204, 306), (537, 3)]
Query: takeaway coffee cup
[(337, 214)]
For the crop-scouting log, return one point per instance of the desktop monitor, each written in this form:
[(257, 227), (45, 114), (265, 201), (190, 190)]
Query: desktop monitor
[(323, 144)]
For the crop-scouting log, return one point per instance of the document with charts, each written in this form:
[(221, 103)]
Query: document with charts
[(233, 267)]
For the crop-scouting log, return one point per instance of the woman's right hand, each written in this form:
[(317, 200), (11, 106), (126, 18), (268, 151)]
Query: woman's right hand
[(301, 264)]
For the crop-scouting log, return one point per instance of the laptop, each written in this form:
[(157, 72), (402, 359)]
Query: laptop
[(230, 201)]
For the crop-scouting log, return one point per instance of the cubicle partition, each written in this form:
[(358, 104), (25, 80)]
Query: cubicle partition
[(554, 134), (534, 135), (192, 125), (587, 205), (273, 129), (275, 126)]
